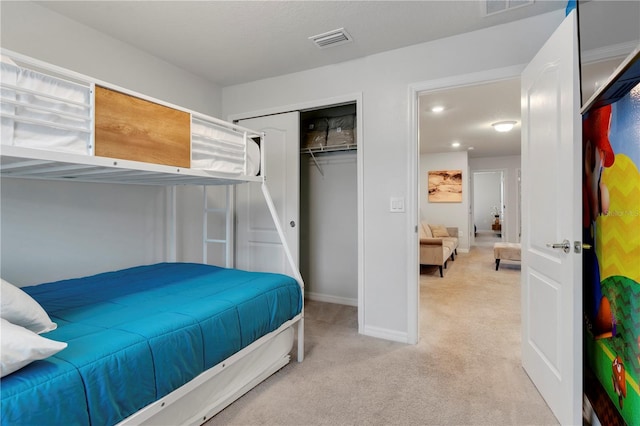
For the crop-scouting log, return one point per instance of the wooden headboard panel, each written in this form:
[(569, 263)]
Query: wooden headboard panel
[(131, 128)]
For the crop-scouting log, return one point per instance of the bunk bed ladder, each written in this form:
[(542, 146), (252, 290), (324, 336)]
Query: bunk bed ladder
[(228, 227)]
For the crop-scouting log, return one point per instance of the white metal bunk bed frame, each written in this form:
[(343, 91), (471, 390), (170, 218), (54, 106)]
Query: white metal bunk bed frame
[(203, 397)]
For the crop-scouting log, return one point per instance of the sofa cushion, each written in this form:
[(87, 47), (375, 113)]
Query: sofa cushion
[(450, 243), (439, 231), (425, 231)]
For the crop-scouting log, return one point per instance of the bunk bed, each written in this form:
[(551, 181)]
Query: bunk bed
[(189, 338)]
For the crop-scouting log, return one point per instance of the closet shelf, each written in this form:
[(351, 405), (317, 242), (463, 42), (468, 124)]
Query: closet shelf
[(333, 148)]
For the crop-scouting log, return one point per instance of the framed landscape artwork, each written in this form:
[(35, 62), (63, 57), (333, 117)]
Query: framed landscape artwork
[(445, 186)]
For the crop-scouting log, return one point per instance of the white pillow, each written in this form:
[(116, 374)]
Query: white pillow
[(253, 161), (20, 347), (19, 308)]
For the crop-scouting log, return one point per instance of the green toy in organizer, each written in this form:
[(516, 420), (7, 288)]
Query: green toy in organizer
[(610, 356)]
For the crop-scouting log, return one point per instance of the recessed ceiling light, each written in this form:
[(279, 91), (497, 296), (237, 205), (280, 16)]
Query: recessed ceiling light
[(437, 109), (455, 144), (503, 126)]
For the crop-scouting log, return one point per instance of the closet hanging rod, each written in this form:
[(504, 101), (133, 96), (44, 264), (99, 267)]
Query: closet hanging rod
[(323, 149)]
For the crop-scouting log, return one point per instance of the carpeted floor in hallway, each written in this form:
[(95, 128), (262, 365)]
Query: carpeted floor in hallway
[(464, 371)]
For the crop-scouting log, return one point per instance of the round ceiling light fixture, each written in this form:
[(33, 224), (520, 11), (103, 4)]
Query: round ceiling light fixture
[(503, 126), (437, 109)]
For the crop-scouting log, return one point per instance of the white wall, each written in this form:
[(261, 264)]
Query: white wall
[(36, 31), (448, 214), (510, 165), (329, 228), (384, 81), (58, 230)]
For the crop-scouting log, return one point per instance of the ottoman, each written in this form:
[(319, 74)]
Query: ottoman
[(506, 251)]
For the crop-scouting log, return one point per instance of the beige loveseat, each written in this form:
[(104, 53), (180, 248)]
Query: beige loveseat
[(438, 244)]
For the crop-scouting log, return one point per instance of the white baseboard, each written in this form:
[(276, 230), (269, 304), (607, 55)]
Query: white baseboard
[(380, 333), (383, 333), (327, 298)]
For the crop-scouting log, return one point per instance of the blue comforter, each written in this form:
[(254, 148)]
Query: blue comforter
[(137, 334)]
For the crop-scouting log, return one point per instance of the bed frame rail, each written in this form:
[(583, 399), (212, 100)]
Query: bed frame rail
[(43, 103)]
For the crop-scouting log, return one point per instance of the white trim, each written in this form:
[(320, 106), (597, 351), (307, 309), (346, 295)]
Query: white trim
[(413, 205), (518, 183), (302, 106), (620, 50), (471, 79), (322, 103), (386, 334), (319, 297), (413, 268)]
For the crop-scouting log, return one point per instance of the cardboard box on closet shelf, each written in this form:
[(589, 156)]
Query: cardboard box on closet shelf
[(315, 133), (342, 130)]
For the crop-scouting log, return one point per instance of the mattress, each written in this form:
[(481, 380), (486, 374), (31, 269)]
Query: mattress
[(137, 334)]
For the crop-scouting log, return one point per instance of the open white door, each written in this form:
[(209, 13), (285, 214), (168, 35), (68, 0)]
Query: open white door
[(551, 214), (258, 246)]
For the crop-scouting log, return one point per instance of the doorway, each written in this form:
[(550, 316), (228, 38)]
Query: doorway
[(466, 149), (461, 136), (487, 207)]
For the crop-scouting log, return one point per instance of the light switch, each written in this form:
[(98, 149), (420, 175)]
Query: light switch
[(397, 205)]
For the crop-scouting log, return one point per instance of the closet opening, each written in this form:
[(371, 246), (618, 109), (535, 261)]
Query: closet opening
[(329, 204)]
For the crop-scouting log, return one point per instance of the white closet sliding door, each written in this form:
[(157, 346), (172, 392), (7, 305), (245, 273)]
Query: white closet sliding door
[(258, 245)]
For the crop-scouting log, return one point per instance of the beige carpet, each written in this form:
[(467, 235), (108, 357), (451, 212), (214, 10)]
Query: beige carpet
[(486, 238), (464, 371)]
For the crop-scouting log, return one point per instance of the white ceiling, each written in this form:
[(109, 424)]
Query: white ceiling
[(232, 42), (467, 117)]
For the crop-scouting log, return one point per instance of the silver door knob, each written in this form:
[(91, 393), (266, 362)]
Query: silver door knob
[(565, 246), (292, 224)]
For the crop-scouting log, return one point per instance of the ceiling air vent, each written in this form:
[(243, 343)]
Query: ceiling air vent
[(331, 38)]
